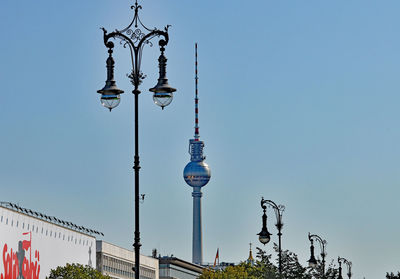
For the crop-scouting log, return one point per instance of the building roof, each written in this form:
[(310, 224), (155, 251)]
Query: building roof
[(181, 263), (124, 254), (49, 219)]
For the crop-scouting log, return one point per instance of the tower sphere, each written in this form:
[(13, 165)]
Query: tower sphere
[(197, 174)]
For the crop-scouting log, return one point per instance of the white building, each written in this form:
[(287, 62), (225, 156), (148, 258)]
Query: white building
[(118, 262), (175, 268), (32, 243)]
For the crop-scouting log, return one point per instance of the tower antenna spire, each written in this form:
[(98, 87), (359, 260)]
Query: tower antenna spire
[(196, 100)]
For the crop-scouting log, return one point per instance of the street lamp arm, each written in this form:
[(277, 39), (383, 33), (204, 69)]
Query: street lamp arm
[(130, 37), (322, 243), (136, 40), (348, 264), (278, 211)]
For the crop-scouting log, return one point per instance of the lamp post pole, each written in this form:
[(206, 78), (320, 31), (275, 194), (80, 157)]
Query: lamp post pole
[(134, 38), (348, 264), (264, 235), (312, 261)]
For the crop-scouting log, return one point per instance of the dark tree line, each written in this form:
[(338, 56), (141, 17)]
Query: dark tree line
[(392, 276)]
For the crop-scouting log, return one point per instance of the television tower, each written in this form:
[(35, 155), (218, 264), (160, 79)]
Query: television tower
[(196, 174)]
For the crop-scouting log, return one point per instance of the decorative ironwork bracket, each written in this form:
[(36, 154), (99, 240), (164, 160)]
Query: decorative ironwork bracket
[(135, 39)]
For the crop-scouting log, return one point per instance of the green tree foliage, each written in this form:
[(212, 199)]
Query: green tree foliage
[(291, 268), (331, 271), (392, 276), (264, 268), (241, 271), (76, 271)]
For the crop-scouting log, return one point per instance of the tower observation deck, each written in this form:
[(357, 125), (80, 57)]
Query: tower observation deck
[(196, 174)]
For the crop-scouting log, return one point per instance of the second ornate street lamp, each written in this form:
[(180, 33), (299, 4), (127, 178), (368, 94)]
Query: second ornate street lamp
[(348, 263), (340, 268), (134, 38), (312, 261), (264, 235)]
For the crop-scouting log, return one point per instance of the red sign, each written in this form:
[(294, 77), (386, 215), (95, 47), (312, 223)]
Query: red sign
[(16, 265)]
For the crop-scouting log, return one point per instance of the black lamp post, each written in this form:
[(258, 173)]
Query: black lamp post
[(348, 264), (340, 268), (264, 235), (312, 261), (134, 38)]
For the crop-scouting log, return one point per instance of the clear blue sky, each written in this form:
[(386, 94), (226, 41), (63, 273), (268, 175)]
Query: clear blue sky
[(298, 103)]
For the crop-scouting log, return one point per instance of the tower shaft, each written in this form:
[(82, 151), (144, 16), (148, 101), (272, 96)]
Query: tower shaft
[(197, 244)]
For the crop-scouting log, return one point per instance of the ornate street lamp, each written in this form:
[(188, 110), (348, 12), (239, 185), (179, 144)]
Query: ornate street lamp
[(340, 268), (312, 262), (134, 38), (264, 235), (348, 264)]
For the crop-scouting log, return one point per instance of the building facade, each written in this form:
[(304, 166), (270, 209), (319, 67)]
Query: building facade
[(32, 243), (118, 262), (174, 268)]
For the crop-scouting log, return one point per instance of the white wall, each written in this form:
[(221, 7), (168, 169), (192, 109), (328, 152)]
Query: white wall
[(51, 246)]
